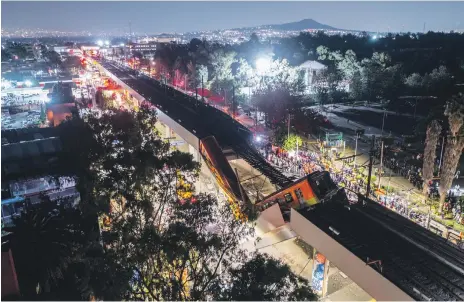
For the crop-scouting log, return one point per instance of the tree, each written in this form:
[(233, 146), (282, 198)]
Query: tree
[(120, 156), (197, 73), (392, 81), (264, 278), (439, 82), (5, 55), (281, 76), (47, 239), (430, 153), (356, 87), (17, 49), (161, 241), (326, 86), (414, 81), (455, 144), (53, 58), (276, 103), (291, 142), (222, 77), (244, 74)]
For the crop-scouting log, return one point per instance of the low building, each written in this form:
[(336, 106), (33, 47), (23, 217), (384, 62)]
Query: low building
[(143, 47), (29, 159), (311, 69)]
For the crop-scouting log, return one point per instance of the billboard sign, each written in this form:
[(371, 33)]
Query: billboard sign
[(317, 280)]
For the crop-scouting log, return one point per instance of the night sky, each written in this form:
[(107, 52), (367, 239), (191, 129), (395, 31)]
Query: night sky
[(158, 17)]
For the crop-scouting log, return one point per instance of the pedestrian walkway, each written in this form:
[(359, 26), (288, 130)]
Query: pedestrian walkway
[(281, 244)]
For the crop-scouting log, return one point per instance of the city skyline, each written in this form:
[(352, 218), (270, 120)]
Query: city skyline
[(159, 17)]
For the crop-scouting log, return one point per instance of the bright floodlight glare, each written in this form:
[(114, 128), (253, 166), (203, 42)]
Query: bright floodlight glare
[(258, 138), (122, 44), (374, 37), (107, 42), (263, 65), (100, 43), (28, 83)]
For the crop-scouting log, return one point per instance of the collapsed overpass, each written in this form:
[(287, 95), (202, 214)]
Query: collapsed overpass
[(193, 120)]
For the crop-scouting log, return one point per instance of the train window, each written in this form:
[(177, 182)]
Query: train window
[(299, 195), (288, 197)]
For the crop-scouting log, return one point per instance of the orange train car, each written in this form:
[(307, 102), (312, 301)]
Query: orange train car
[(307, 191), (225, 176)]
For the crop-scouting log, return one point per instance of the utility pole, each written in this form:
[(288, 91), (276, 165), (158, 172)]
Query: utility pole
[(196, 90), (233, 101), (356, 149), (288, 126), (371, 161), (202, 90), (297, 150), (381, 164), (256, 117)]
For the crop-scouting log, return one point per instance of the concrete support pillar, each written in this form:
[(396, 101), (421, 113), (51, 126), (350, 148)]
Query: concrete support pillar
[(194, 152), (167, 133)]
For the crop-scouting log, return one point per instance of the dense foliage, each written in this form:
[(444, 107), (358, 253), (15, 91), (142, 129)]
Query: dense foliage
[(158, 239)]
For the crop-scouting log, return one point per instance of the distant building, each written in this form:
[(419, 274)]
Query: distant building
[(311, 69), (61, 49), (167, 40), (143, 47)]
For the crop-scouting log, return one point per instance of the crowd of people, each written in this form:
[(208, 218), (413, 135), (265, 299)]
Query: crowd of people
[(402, 167), (306, 161), (413, 173)]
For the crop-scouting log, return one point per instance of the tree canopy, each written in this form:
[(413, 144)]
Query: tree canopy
[(160, 239)]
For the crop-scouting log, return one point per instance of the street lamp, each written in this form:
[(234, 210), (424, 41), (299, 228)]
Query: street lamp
[(100, 43), (263, 65)]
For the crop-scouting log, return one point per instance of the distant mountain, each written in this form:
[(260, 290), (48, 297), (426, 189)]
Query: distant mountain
[(293, 26)]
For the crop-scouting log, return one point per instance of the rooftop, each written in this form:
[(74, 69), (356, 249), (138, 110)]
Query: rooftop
[(312, 65)]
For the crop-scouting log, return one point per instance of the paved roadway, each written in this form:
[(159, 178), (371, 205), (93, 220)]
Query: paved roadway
[(198, 118)]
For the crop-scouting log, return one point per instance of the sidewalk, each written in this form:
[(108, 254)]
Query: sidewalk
[(281, 244)]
